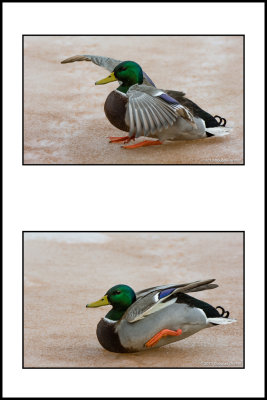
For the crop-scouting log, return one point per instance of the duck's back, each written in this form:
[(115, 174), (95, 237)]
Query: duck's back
[(210, 121)]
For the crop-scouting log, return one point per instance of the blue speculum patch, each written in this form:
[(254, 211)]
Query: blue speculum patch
[(168, 99), (165, 292)]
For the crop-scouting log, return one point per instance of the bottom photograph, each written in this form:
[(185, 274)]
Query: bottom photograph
[(133, 299)]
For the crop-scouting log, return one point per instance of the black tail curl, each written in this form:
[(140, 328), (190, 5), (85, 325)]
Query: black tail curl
[(224, 314), (222, 121)]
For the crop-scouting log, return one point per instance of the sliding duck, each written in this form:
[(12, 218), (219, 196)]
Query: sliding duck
[(141, 109), (155, 316)]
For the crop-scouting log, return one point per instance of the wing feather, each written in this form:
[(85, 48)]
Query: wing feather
[(142, 116), (137, 120), (150, 301), (151, 113), (163, 116), (170, 112), (154, 116), (105, 62), (151, 118), (131, 118), (152, 126)]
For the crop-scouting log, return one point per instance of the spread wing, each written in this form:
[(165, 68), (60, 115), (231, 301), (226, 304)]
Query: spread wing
[(105, 62), (162, 297), (149, 111)]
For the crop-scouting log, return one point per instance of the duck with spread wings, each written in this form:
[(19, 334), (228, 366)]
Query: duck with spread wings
[(138, 107)]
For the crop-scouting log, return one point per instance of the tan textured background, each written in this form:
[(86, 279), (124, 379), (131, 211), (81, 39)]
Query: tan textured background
[(66, 271), (64, 116)]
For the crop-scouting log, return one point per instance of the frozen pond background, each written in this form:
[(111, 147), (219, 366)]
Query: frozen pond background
[(64, 272), (64, 120)]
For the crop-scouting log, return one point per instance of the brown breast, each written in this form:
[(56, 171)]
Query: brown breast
[(115, 109), (108, 338)]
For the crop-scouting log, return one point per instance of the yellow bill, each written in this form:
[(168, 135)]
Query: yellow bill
[(110, 78), (102, 302)]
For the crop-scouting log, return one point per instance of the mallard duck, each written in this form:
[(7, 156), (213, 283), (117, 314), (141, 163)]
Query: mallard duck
[(139, 108), (155, 316)]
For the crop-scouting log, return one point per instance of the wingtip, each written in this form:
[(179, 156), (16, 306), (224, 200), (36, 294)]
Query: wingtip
[(76, 58), (213, 286), (67, 60)]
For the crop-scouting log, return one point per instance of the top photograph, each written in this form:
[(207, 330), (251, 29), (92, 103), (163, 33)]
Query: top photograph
[(133, 100)]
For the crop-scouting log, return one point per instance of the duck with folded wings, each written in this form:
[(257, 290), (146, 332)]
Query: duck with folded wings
[(155, 316)]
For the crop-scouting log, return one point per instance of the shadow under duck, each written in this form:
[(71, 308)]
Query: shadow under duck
[(141, 109), (155, 316)]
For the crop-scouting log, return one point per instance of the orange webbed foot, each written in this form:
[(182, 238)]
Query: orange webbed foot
[(164, 332), (143, 144), (116, 139)]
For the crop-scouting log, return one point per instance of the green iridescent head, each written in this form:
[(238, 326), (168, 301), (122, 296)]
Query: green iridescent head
[(127, 72), (120, 297)]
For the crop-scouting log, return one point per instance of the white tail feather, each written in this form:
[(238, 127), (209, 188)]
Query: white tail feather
[(219, 131), (221, 321)]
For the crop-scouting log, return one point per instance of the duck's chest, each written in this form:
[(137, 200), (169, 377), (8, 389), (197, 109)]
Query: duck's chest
[(108, 337), (115, 109)]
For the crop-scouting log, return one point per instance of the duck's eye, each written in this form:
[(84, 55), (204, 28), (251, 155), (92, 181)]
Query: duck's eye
[(117, 292), (123, 69)]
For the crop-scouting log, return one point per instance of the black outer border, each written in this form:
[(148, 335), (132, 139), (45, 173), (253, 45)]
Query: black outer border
[(131, 164), (234, 368)]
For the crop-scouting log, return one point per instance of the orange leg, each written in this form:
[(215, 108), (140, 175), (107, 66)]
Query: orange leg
[(142, 144), (162, 333), (115, 139)]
